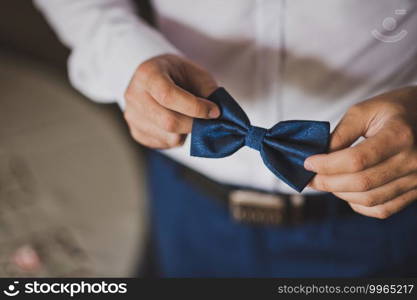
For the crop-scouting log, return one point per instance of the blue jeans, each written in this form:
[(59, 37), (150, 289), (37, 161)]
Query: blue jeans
[(194, 236)]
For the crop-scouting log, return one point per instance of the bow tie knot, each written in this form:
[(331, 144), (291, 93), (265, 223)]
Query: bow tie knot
[(255, 137), (283, 148)]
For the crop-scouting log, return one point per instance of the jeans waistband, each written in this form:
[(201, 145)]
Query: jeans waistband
[(255, 206)]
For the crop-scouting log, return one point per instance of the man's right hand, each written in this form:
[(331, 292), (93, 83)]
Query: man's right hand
[(164, 96)]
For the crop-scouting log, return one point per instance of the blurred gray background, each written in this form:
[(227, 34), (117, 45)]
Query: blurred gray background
[(72, 189)]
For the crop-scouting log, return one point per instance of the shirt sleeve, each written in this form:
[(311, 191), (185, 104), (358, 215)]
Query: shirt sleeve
[(108, 41)]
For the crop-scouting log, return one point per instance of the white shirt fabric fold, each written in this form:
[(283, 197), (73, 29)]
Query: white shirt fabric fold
[(281, 60)]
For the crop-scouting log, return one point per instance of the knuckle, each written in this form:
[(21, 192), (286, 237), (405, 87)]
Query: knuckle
[(322, 166), (146, 68), (356, 208), (395, 109), (321, 183), (369, 200), (357, 162), (147, 74), (382, 213), (175, 141), (355, 109), (149, 80), (396, 191), (135, 135), (165, 94), (170, 123), (338, 138), (127, 116), (128, 95), (405, 136), (413, 161), (363, 183)]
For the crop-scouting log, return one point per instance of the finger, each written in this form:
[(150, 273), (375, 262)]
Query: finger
[(389, 208), (148, 134), (171, 96), (148, 140), (360, 157), (349, 129), (383, 193), (366, 180), (201, 82), (162, 117), (157, 141)]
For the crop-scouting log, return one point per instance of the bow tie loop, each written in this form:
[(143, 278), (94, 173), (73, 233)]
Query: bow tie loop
[(283, 148), (255, 137)]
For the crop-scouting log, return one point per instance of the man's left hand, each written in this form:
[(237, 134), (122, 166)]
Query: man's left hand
[(378, 176)]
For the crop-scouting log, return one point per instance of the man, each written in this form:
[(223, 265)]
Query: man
[(349, 62)]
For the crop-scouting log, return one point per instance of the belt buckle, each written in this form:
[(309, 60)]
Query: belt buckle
[(257, 208)]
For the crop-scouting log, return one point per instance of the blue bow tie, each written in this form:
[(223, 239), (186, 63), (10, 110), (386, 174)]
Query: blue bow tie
[(283, 148)]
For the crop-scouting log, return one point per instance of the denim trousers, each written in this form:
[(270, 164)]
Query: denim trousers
[(195, 236)]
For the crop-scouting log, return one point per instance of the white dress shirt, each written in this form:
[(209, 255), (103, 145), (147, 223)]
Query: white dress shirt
[(281, 60)]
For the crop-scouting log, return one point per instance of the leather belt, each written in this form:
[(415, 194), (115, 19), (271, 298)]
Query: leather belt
[(258, 207)]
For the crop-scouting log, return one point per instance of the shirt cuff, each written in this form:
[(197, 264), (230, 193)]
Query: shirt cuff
[(103, 72), (135, 52)]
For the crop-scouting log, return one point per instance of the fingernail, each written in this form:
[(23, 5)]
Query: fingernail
[(308, 165), (214, 112)]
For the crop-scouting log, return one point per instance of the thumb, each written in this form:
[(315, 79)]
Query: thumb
[(350, 128)]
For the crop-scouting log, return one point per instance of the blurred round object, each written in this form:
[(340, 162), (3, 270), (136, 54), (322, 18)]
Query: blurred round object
[(82, 159), (27, 259)]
